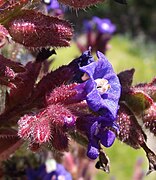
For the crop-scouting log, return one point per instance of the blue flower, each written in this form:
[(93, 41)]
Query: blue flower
[(58, 173), (102, 87), (52, 4), (88, 25), (85, 59), (99, 130), (41, 173), (104, 25), (100, 133)]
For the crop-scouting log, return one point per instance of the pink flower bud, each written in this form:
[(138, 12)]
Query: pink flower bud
[(62, 94), (41, 131), (25, 125), (9, 73), (60, 117), (4, 36), (36, 128), (42, 127)]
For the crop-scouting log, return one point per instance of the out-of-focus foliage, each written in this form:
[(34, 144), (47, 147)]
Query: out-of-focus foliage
[(139, 16)]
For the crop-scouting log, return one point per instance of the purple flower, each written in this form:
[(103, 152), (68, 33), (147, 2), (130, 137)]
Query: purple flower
[(98, 33), (102, 87), (52, 4), (55, 7), (102, 90), (85, 59), (41, 173), (88, 25), (99, 130), (104, 26), (100, 133)]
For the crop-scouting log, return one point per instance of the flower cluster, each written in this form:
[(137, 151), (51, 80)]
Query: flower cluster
[(98, 93), (98, 33)]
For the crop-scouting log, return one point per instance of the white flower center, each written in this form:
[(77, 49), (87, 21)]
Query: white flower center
[(102, 85), (46, 1), (68, 119), (105, 26), (50, 165)]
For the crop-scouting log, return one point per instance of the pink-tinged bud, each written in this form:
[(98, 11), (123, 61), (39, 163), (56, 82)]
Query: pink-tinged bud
[(36, 128), (24, 126), (41, 127), (62, 94), (80, 3), (9, 70), (41, 131), (61, 117), (6, 73), (9, 73), (34, 29), (4, 36)]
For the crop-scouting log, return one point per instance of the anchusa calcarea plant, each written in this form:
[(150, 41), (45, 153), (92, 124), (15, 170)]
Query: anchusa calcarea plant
[(84, 102)]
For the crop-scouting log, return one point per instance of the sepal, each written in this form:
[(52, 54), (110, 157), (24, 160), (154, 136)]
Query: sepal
[(138, 101), (126, 79)]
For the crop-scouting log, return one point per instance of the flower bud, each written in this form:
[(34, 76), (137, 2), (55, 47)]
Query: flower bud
[(4, 36)]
